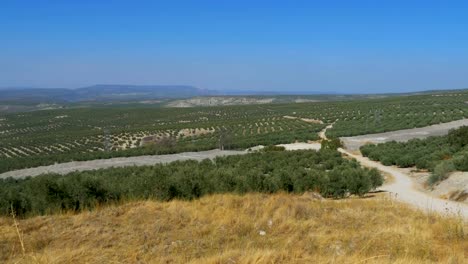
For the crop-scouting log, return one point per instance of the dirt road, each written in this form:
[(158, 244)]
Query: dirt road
[(65, 168), (402, 188), (353, 143)]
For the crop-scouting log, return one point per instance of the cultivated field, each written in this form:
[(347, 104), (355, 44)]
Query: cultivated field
[(38, 138), (267, 205)]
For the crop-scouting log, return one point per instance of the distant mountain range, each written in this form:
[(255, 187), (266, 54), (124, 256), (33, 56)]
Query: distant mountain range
[(109, 92), (102, 93), (117, 92)]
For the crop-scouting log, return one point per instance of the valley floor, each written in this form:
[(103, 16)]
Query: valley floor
[(255, 228)]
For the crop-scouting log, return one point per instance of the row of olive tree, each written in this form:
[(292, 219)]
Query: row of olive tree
[(325, 172), (441, 155)]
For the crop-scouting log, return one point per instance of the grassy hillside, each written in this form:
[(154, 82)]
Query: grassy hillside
[(255, 228)]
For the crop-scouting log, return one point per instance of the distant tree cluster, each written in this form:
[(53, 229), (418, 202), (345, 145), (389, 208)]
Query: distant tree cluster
[(324, 171), (331, 144)]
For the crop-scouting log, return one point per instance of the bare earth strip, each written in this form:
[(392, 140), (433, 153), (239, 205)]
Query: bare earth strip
[(402, 188), (353, 143), (65, 168)]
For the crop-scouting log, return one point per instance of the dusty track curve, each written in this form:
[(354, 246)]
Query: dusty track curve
[(403, 189)]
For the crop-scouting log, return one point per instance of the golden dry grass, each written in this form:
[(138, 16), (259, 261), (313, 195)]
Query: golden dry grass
[(226, 229)]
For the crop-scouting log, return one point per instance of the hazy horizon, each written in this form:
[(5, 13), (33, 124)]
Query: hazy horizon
[(232, 92), (338, 47)]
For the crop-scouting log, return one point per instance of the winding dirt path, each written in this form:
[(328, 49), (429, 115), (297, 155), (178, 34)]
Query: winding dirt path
[(402, 188)]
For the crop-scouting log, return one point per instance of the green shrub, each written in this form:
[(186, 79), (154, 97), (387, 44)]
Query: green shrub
[(273, 148), (331, 144), (441, 172), (458, 137), (461, 161)]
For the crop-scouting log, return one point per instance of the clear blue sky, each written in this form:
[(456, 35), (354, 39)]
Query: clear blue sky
[(340, 46)]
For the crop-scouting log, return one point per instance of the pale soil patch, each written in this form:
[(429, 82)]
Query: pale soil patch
[(301, 146), (388, 178), (63, 147), (323, 133), (218, 101), (306, 100), (56, 148), (457, 182), (406, 189), (150, 102), (314, 121), (290, 117), (194, 132), (17, 150), (308, 120), (11, 152)]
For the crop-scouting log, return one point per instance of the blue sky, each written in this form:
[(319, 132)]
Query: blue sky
[(327, 46)]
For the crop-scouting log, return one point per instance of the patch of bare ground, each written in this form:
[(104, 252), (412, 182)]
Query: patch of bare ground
[(194, 132), (255, 228), (388, 178), (454, 188), (218, 101), (308, 120)]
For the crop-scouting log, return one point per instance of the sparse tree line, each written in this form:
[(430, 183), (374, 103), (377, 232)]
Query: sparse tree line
[(441, 155), (269, 171)]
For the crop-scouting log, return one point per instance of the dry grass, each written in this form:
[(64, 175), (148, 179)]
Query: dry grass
[(226, 229)]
